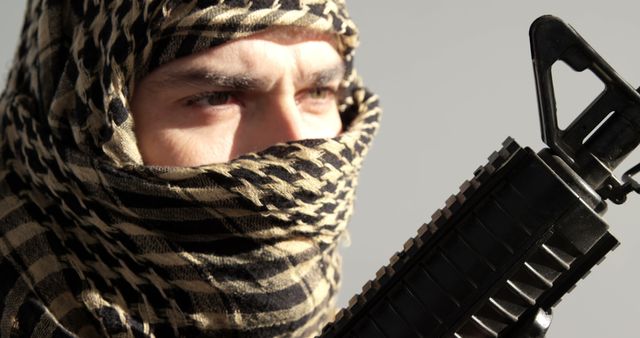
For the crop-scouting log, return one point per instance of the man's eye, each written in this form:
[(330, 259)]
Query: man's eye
[(320, 93), (211, 99)]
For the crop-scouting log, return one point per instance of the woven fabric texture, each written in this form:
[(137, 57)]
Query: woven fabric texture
[(95, 244)]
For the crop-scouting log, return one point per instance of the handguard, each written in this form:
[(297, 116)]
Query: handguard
[(523, 231)]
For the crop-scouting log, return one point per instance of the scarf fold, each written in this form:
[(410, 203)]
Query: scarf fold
[(93, 243)]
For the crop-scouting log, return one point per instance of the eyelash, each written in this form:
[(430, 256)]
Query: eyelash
[(192, 101)]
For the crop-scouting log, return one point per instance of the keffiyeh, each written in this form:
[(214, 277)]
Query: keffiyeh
[(93, 243)]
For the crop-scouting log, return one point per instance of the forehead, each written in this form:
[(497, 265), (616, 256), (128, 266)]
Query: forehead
[(260, 45), (255, 62), (292, 34), (265, 54)]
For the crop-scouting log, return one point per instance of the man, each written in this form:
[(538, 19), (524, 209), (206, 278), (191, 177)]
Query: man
[(178, 168)]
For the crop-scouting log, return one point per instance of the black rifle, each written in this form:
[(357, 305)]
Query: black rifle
[(523, 230)]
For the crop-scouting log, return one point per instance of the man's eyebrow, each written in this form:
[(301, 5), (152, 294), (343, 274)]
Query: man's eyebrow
[(200, 77), (324, 76)]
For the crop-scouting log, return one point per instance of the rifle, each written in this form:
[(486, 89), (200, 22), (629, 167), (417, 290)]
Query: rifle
[(524, 230)]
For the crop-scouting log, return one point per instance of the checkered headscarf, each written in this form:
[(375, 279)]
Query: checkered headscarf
[(93, 243)]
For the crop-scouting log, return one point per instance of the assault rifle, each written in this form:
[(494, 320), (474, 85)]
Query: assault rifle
[(523, 231)]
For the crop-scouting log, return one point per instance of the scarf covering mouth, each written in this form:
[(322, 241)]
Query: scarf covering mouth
[(95, 244)]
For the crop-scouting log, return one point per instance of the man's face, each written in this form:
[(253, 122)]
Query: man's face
[(243, 96)]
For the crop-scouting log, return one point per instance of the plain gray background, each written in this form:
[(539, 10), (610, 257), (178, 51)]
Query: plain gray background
[(455, 80)]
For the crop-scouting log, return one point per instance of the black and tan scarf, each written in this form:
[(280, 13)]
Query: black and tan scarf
[(93, 243)]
